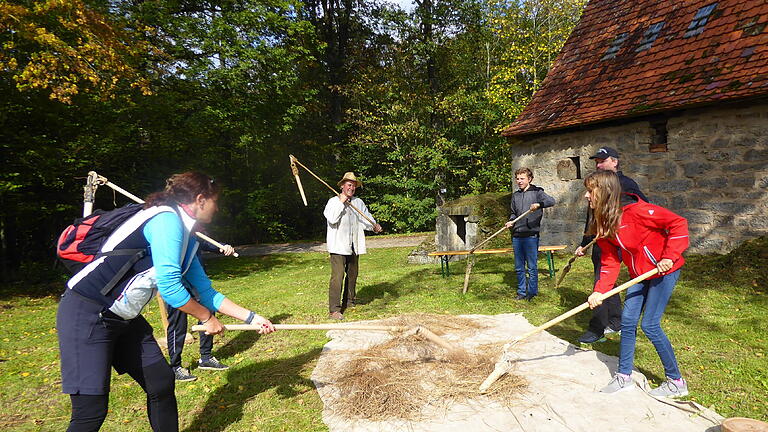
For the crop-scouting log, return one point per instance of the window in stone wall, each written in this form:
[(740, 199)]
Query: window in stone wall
[(461, 227), (569, 169), (658, 136)]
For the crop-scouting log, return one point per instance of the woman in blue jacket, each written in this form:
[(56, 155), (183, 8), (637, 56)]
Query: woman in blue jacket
[(99, 329)]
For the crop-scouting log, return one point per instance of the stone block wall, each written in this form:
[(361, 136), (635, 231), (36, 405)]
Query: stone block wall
[(714, 173), (456, 229)]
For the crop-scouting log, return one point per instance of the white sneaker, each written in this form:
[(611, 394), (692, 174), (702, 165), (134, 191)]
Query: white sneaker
[(618, 383), (670, 389)]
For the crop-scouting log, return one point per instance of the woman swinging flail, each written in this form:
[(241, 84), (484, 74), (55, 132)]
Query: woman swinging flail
[(650, 237), (100, 326)]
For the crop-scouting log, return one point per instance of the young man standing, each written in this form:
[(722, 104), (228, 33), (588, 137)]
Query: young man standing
[(606, 318), (346, 242), (525, 233)]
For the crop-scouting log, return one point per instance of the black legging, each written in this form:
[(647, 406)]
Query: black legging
[(89, 411)]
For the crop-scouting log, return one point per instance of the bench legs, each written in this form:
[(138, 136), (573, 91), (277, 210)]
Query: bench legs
[(551, 264), (444, 270)]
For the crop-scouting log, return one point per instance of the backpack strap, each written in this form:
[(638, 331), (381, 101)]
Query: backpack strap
[(121, 233), (137, 254)]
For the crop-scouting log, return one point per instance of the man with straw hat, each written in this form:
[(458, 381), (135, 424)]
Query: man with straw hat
[(346, 242)]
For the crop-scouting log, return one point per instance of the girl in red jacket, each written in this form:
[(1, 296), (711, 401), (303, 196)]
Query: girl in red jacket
[(649, 236)]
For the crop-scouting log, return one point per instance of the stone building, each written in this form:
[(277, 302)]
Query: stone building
[(680, 89)]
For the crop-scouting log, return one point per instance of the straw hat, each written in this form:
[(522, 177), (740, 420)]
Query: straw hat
[(351, 177)]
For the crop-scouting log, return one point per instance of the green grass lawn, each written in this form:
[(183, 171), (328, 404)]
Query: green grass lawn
[(716, 321)]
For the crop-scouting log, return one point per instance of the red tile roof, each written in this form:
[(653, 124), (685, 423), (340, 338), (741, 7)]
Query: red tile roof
[(727, 61)]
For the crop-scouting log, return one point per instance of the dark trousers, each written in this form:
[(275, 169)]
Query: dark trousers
[(93, 341), (177, 332), (341, 290), (607, 314)]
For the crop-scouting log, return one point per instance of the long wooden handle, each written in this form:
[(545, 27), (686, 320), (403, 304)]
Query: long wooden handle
[(293, 159), (257, 327), (427, 334), (295, 172), (503, 364), (213, 242), (499, 231), (163, 313), (567, 267), (103, 180), (471, 251), (585, 305)]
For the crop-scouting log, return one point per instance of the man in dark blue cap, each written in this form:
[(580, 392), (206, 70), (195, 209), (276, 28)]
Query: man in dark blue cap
[(606, 318)]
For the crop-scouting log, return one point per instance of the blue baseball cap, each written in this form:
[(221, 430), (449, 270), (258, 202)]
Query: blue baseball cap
[(605, 153)]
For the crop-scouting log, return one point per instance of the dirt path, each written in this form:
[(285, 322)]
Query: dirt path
[(370, 242)]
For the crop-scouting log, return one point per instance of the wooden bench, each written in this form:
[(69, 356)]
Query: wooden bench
[(445, 256)]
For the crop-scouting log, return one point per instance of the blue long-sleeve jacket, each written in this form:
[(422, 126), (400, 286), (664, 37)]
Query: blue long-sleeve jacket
[(165, 235)]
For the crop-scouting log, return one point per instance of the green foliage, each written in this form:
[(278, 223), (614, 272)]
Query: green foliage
[(530, 35), (404, 214), (410, 101)]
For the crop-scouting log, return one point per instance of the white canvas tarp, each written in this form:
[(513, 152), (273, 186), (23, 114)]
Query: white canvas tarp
[(562, 392)]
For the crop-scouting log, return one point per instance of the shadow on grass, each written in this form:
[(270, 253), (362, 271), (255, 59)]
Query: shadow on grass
[(224, 406), (386, 292), (220, 267)]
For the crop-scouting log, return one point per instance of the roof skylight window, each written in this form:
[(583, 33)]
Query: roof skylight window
[(700, 20), (615, 46), (650, 35)]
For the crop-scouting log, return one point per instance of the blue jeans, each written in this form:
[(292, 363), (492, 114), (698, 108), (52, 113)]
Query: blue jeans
[(652, 296), (526, 254)]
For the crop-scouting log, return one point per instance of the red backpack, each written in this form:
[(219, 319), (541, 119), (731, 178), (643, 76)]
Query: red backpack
[(81, 242)]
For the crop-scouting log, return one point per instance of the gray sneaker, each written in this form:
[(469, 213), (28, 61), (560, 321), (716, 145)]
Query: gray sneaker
[(212, 364), (670, 389), (618, 383), (182, 374)]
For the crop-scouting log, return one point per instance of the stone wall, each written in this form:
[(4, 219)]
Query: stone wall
[(714, 172), (456, 228)]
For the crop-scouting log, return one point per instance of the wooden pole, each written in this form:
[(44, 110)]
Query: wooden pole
[(503, 365), (567, 267), (213, 242), (295, 171), (415, 331), (163, 316), (103, 180), (293, 159), (470, 260), (358, 327), (427, 334)]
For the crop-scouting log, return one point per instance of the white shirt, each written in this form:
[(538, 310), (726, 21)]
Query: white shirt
[(346, 226)]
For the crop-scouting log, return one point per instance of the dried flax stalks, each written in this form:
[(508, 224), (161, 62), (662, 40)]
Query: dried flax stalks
[(397, 379)]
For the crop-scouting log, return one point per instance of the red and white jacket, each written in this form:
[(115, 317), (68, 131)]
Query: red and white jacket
[(647, 234)]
